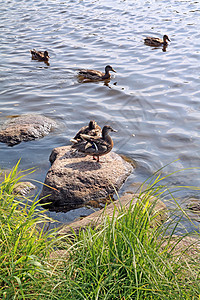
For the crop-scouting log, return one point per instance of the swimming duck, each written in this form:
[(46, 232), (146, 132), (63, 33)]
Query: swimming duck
[(92, 129), (156, 42), (39, 55), (96, 75), (96, 146)]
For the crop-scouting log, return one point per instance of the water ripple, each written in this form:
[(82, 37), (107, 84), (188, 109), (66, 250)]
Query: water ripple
[(153, 99)]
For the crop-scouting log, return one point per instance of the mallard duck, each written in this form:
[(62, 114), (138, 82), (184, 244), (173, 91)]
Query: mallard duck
[(156, 42), (96, 75), (96, 146), (39, 55), (92, 129)]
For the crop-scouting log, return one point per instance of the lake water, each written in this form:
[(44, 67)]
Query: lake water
[(153, 100)]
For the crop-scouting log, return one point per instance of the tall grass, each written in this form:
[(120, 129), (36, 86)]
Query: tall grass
[(24, 245), (129, 256)]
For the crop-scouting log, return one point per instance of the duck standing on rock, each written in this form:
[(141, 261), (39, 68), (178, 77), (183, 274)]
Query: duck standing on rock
[(40, 55), (95, 75), (96, 146), (92, 129), (156, 42)]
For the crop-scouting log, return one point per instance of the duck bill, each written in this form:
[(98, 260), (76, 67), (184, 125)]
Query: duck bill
[(114, 70), (114, 130)]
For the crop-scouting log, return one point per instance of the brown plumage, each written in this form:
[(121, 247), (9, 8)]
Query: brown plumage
[(96, 146), (92, 129), (40, 55), (95, 75), (156, 42)]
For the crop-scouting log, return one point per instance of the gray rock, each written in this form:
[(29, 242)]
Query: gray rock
[(23, 188), (25, 128), (75, 179), (194, 205)]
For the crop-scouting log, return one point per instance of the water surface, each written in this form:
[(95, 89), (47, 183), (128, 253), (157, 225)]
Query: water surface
[(152, 100)]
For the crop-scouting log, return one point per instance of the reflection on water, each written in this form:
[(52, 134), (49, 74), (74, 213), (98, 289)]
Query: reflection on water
[(152, 100)]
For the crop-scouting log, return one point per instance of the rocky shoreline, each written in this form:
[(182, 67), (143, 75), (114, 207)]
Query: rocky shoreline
[(73, 180)]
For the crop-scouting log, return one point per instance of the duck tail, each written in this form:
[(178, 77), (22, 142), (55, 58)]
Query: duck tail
[(74, 141)]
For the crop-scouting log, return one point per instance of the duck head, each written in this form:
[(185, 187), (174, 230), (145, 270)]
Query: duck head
[(109, 68), (166, 38), (106, 129), (46, 54), (92, 124)]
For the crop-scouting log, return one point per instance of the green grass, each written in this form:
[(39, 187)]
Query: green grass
[(129, 256), (24, 245), (127, 259)]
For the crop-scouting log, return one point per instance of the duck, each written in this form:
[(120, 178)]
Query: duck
[(156, 42), (92, 129), (96, 75), (40, 55), (96, 146)]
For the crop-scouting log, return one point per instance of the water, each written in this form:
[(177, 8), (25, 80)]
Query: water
[(152, 100)]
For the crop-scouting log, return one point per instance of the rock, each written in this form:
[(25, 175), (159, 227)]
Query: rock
[(23, 188), (194, 205), (96, 218), (76, 179), (25, 128), (160, 209), (186, 247)]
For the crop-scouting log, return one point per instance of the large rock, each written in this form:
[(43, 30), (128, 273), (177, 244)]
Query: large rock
[(76, 179), (97, 218), (25, 128)]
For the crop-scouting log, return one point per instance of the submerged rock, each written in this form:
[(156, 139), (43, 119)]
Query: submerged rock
[(25, 128), (75, 179), (24, 188), (194, 205)]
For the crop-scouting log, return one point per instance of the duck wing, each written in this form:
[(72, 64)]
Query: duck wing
[(79, 145), (90, 72), (91, 147), (37, 54), (89, 138), (87, 131), (153, 40), (81, 131), (96, 147)]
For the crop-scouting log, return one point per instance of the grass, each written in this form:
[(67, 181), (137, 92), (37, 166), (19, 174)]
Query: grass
[(24, 245), (127, 257)]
